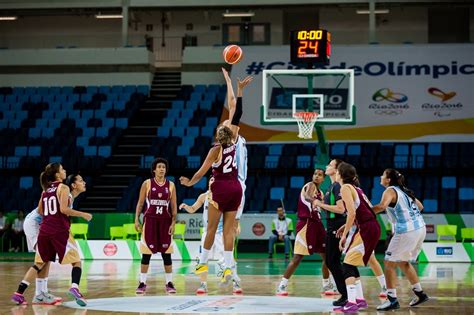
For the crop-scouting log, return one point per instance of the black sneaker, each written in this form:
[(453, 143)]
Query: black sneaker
[(341, 301), (420, 297), (390, 304)]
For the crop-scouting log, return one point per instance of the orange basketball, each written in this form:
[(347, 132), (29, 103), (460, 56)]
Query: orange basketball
[(232, 54)]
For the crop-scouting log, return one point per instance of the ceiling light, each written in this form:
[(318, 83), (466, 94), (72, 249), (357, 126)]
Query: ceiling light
[(8, 18), (382, 11), (238, 14), (108, 16)]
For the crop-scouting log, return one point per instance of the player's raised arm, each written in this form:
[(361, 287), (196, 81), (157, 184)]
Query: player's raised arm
[(211, 157), (197, 204)]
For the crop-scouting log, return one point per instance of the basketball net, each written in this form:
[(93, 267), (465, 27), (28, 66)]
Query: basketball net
[(306, 121)]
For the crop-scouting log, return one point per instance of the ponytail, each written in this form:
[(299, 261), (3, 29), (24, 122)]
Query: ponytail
[(397, 179)]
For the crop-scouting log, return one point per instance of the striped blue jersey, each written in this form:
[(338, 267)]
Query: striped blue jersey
[(34, 216), (220, 227), (406, 215), (241, 159)]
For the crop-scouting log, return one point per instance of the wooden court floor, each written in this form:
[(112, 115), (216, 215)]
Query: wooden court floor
[(450, 286)]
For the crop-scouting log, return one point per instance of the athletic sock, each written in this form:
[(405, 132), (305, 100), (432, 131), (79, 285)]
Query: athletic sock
[(228, 259), (22, 287), (45, 285), (351, 293), (39, 286), (143, 277), (168, 277), (392, 293), (381, 280), (359, 291), (417, 287), (204, 256), (76, 275)]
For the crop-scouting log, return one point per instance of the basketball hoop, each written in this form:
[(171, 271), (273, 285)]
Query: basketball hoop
[(306, 121)]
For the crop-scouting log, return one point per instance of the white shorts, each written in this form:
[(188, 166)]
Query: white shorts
[(31, 229), (217, 250), (405, 246), (240, 209)]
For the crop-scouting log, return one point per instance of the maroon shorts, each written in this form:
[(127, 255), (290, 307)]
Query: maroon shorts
[(155, 236), (370, 234), (61, 244), (226, 195), (310, 237)]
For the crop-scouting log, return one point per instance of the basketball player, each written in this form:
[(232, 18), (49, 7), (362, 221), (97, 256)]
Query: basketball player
[(336, 218), (235, 113), (226, 196), (217, 250), (54, 237), (158, 222), (404, 211), (358, 249), (310, 233)]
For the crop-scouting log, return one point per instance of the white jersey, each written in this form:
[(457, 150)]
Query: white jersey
[(406, 215), (34, 217), (241, 159), (31, 228), (220, 227)]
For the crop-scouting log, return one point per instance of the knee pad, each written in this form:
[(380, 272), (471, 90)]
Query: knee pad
[(350, 271), (146, 259), (166, 259)]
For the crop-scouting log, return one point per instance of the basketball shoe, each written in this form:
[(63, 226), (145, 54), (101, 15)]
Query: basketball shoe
[(169, 287), (141, 288), (202, 289), (201, 268), (75, 294), (329, 289), (282, 290), (226, 277), (236, 289), (420, 297), (18, 299), (44, 299), (390, 304)]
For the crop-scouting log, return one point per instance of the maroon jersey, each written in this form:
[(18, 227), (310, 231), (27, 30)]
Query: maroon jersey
[(54, 221), (364, 211), (226, 168), (305, 208), (158, 200)]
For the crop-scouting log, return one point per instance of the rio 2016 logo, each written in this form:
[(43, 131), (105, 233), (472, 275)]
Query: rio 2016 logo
[(442, 109), (389, 103)]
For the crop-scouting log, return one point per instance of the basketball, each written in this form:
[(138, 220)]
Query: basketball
[(232, 54)]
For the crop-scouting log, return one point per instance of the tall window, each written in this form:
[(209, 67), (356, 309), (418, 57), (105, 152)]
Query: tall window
[(246, 34)]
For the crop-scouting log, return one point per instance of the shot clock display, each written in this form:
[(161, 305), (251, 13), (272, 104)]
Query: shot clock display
[(310, 46)]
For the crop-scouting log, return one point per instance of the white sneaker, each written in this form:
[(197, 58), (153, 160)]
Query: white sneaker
[(236, 287), (282, 290), (202, 289), (329, 289), (43, 299)]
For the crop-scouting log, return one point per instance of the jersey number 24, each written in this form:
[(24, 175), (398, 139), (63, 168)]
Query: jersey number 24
[(229, 163)]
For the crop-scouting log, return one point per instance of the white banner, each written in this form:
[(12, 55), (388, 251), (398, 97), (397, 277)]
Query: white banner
[(402, 92)]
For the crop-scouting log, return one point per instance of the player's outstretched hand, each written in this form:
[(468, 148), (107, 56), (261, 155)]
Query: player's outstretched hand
[(243, 83), (226, 74), (184, 181), (87, 216)]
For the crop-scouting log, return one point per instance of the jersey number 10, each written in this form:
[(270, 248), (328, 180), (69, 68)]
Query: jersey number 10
[(50, 206)]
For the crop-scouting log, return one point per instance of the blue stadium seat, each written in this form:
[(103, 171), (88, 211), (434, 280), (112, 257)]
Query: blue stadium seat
[(211, 122), (448, 182), (213, 88), (55, 159), (177, 132), (208, 96), (124, 96), (271, 161), (10, 99), (417, 156), (3, 123), (119, 105), (80, 122), (173, 113), (21, 115), (90, 151), (400, 161), (194, 161), (168, 122), (105, 151), (22, 99), (92, 89), (177, 105), (100, 113), (143, 89), (67, 90), (13, 161), (102, 132), (47, 133), (115, 97), (106, 106), (183, 150), (21, 151), (146, 161), (36, 98), (193, 105), (73, 98), (296, 181), (54, 123), (9, 115), (353, 149), (188, 141), (29, 91), (56, 106), (48, 99), (338, 149), (88, 132), (189, 202), (128, 89), (303, 161), (104, 89), (42, 90), (192, 131), (187, 113), (61, 98), (182, 123), (430, 205), (87, 114), (82, 141), (26, 182), (14, 124), (108, 123), (202, 183), (86, 98), (18, 91), (54, 90), (121, 123), (466, 193), (200, 88), (163, 132), (34, 132), (34, 151), (277, 193), (275, 149), (207, 131), (205, 105)]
